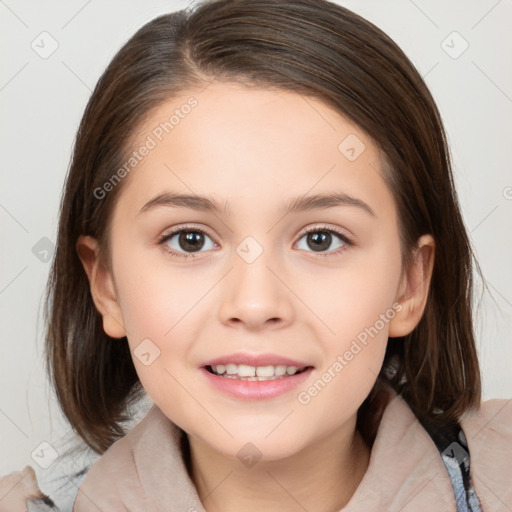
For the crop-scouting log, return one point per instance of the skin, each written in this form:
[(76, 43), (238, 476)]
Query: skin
[(17, 488), (256, 148)]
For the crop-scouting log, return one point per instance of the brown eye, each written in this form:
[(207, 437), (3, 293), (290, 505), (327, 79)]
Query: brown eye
[(184, 242), (191, 240), (321, 240)]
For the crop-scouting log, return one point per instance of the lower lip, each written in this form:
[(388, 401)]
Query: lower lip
[(256, 390)]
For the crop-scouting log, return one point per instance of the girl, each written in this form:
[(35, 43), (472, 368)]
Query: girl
[(260, 231)]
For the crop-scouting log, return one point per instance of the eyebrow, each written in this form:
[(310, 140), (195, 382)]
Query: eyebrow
[(297, 204)]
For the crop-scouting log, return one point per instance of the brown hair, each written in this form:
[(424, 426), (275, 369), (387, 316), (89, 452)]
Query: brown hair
[(311, 47)]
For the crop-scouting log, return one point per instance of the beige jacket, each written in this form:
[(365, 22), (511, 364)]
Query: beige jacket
[(144, 471)]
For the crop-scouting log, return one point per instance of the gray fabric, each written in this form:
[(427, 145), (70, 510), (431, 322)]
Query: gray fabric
[(60, 482)]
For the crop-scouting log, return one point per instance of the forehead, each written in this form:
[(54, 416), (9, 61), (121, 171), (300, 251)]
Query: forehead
[(237, 144)]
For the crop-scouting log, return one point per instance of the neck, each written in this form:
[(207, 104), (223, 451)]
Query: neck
[(322, 477)]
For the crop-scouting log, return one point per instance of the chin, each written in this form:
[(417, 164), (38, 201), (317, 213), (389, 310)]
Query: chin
[(257, 448)]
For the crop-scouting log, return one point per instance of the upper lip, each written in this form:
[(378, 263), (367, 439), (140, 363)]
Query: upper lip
[(256, 360)]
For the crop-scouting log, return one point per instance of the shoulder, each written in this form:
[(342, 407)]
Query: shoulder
[(129, 475), (488, 428), (20, 489), (114, 480), (51, 488), (488, 432)]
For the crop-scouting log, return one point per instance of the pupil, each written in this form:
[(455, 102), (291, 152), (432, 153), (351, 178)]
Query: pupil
[(318, 240), (191, 240)]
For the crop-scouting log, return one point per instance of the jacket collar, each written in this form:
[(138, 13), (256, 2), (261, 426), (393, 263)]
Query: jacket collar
[(145, 470)]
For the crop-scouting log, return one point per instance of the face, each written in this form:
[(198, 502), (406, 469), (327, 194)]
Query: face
[(257, 282)]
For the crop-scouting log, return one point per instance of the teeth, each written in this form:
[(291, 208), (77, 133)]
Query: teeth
[(246, 371), (234, 371), (231, 369), (265, 371), (280, 370)]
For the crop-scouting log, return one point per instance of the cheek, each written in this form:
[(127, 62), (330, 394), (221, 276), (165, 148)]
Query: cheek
[(155, 294), (157, 304), (353, 297), (166, 308), (356, 305)]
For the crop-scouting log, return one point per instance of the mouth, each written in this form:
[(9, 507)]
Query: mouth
[(255, 373)]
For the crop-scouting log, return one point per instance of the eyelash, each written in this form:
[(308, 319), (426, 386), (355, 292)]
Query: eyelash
[(322, 229)]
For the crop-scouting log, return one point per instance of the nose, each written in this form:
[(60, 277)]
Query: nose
[(255, 294)]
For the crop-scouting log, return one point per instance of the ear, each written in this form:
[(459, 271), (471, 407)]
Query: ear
[(413, 289), (102, 286)]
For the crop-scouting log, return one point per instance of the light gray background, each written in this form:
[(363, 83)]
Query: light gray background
[(42, 100)]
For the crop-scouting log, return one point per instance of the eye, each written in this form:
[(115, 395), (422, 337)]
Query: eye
[(187, 239), (321, 238)]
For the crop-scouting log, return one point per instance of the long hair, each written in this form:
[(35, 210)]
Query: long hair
[(311, 47)]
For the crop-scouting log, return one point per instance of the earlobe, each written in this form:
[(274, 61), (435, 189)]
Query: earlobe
[(414, 289), (101, 286)]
